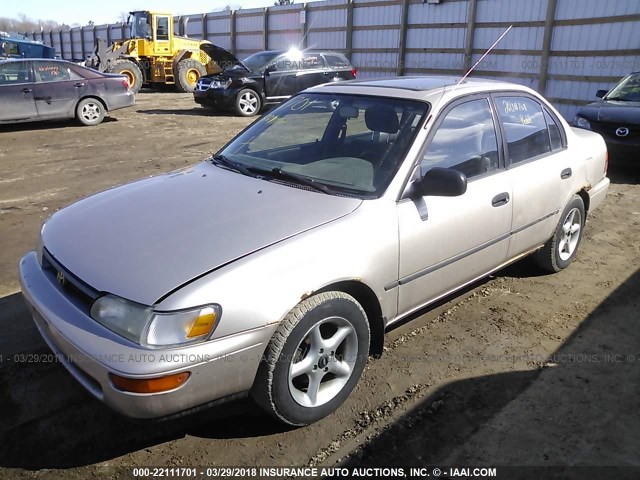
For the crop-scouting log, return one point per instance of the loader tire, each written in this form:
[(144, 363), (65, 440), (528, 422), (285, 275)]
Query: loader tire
[(131, 71), (188, 73)]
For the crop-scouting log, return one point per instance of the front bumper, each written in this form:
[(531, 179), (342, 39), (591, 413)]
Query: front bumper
[(223, 98), (219, 368)]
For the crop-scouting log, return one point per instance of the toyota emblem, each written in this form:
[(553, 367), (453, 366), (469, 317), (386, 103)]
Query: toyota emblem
[(622, 132)]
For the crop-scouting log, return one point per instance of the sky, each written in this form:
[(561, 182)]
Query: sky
[(108, 11)]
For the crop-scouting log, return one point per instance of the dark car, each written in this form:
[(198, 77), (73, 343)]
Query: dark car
[(266, 77), (617, 118), (48, 89)]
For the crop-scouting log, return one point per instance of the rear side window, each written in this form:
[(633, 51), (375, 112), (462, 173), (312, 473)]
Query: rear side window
[(311, 61), (524, 126), (554, 131), (54, 72), (337, 61)]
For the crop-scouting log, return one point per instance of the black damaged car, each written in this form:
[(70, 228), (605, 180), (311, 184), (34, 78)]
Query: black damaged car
[(617, 118), (266, 77)]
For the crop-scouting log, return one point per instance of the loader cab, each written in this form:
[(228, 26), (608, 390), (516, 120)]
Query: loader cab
[(155, 28)]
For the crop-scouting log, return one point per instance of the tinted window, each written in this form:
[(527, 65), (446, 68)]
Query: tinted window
[(465, 141), (524, 126), (337, 61), (163, 28), (554, 131), (14, 72), (311, 61)]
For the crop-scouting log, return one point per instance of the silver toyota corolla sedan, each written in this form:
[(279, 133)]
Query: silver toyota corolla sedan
[(274, 267)]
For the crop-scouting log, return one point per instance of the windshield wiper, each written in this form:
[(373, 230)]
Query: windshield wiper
[(619, 99), (300, 179), (222, 160)]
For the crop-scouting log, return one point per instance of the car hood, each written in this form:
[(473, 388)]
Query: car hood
[(224, 58), (142, 240), (613, 111)]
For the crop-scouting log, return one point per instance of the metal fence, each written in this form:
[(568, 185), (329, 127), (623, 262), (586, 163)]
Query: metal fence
[(565, 49)]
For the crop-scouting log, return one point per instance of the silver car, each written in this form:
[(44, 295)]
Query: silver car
[(274, 267)]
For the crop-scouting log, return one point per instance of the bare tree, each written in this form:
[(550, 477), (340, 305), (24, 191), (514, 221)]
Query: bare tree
[(25, 24), (283, 2)]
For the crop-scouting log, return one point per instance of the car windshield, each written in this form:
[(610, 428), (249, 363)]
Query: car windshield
[(627, 90), (258, 61), (346, 144)]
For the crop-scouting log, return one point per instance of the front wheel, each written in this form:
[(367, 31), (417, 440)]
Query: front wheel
[(90, 112), (562, 248), (188, 73), (314, 359), (248, 103)]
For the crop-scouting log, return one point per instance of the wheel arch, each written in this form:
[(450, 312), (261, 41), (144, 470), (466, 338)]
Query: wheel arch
[(95, 97), (367, 298), (584, 195)]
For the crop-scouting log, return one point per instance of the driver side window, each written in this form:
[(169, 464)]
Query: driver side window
[(465, 140)]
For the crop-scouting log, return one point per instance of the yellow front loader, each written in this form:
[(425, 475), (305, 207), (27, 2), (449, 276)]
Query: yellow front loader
[(154, 55)]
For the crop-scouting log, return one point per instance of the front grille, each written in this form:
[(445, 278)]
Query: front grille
[(75, 289), (608, 129)]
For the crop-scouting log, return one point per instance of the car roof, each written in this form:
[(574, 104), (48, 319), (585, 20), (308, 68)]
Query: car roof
[(18, 60), (418, 87)]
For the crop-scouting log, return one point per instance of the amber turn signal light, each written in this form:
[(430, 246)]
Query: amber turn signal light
[(149, 385)]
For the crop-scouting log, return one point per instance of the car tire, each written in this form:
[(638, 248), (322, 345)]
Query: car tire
[(188, 73), (90, 111), (130, 70), (248, 103), (562, 248), (314, 359)]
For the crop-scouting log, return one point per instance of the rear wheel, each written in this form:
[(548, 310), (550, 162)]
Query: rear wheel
[(90, 112), (562, 248), (189, 71), (248, 103), (130, 70)]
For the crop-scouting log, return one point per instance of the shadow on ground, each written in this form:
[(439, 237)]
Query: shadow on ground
[(580, 409)]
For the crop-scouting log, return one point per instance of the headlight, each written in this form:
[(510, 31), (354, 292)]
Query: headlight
[(145, 326), (219, 83), (582, 122)]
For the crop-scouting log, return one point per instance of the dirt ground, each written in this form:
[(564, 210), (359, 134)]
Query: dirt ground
[(520, 369)]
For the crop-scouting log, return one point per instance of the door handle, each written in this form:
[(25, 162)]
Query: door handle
[(500, 199), (26, 90), (566, 173), (79, 84)]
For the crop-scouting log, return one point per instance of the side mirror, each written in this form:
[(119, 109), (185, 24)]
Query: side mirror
[(269, 69), (440, 182), (601, 93)]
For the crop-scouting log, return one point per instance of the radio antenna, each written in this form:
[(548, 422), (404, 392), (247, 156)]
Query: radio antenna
[(482, 57)]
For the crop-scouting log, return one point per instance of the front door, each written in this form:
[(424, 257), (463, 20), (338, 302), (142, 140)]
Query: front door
[(16, 92), (446, 242)]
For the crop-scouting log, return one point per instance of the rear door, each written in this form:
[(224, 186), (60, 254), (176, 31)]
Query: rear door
[(16, 92), (57, 89), (313, 72), (281, 78), (540, 168)]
